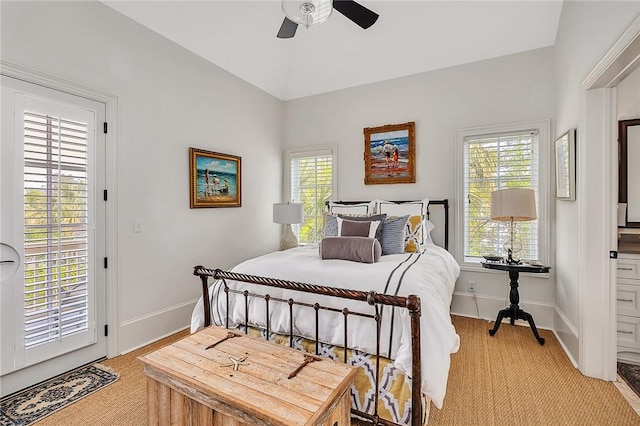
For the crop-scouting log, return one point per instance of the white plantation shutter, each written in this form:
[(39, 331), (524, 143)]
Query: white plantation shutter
[(492, 162), (55, 228), (311, 180)]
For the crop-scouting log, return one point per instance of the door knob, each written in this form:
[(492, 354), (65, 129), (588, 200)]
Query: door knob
[(9, 261)]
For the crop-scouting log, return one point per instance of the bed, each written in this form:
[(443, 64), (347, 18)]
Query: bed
[(393, 314)]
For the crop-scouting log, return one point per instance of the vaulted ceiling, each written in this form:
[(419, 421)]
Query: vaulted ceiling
[(410, 37)]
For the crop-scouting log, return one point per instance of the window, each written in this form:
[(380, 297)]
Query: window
[(497, 158), (55, 227), (311, 180)]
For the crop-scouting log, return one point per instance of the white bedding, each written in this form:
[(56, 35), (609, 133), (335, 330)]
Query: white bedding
[(430, 274)]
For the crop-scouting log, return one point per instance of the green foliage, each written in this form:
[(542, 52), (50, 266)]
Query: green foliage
[(495, 164), (55, 240), (315, 187)]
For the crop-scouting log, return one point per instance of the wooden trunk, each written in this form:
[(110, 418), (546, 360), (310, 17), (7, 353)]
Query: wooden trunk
[(188, 384)]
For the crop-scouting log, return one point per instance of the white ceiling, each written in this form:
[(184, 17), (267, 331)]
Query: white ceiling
[(409, 37)]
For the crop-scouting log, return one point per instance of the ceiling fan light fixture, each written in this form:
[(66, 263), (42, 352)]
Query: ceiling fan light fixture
[(307, 12)]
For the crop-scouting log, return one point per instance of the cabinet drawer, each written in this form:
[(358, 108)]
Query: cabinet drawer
[(630, 356), (628, 331), (628, 300), (629, 268)]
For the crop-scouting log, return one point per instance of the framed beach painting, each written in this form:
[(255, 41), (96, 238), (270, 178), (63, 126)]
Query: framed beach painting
[(389, 154), (565, 147), (215, 179)]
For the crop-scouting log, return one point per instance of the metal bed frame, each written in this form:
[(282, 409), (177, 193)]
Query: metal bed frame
[(373, 299)]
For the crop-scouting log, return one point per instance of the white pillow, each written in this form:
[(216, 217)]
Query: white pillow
[(411, 208), (352, 209), (429, 226)]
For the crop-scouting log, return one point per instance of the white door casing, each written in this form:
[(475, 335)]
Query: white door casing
[(20, 365), (597, 216)]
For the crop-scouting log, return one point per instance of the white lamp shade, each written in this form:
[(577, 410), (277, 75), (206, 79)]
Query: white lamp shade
[(287, 213), (515, 204)]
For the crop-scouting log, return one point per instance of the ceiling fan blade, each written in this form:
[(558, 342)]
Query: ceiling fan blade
[(287, 29), (356, 12)]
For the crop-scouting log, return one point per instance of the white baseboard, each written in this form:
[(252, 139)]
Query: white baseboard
[(463, 304), (546, 317), (567, 335), (141, 331)]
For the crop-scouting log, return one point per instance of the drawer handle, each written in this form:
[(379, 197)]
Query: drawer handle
[(625, 300), (625, 332), (2, 262), (625, 269)]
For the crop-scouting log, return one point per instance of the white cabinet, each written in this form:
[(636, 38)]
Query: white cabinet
[(628, 307)]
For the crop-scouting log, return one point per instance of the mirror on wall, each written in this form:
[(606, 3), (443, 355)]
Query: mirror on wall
[(629, 170)]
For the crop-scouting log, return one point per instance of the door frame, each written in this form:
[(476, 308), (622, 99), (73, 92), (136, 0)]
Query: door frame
[(597, 213), (110, 101)]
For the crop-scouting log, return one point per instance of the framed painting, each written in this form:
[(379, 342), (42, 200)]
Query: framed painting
[(389, 154), (565, 147), (215, 179)]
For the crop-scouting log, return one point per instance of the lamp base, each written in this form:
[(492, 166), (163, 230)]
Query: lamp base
[(288, 239), (510, 260)]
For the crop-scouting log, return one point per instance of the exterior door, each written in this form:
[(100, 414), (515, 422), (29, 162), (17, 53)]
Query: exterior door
[(52, 278)]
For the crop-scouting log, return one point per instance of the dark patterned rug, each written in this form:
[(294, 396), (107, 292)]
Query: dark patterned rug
[(32, 404), (630, 373)]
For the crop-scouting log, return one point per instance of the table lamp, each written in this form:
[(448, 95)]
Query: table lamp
[(513, 205), (286, 214)]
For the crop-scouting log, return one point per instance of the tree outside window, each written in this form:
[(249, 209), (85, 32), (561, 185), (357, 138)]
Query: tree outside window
[(493, 162), (312, 184)]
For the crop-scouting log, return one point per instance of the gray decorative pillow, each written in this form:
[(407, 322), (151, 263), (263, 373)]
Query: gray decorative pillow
[(378, 217), (356, 249), (331, 223), (393, 234)]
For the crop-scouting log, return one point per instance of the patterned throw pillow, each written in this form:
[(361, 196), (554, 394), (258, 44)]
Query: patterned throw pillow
[(401, 208), (413, 234), (393, 229), (330, 225)]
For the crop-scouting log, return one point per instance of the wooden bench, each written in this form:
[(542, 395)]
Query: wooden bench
[(189, 384)]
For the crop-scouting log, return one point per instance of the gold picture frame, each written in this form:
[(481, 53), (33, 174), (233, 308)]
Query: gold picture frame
[(389, 154), (215, 179)]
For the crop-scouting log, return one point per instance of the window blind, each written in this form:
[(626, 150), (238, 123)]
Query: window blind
[(55, 228), (311, 184), (492, 162)]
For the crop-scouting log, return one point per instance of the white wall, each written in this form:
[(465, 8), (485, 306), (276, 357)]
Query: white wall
[(508, 89), (169, 100), (586, 31), (629, 97)]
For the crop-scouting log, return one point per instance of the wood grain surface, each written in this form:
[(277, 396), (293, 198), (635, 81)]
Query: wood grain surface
[(191, 385)]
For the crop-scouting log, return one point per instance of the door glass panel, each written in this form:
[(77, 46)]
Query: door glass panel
[(55, 228)]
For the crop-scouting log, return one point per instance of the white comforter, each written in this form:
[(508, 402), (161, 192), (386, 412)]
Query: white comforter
[(430, 275)]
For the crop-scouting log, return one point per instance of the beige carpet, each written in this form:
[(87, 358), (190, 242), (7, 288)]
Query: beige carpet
[(121, 403), (510, 379), (502, 380)]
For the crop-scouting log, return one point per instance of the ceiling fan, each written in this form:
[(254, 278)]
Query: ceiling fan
[(314, 12)]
